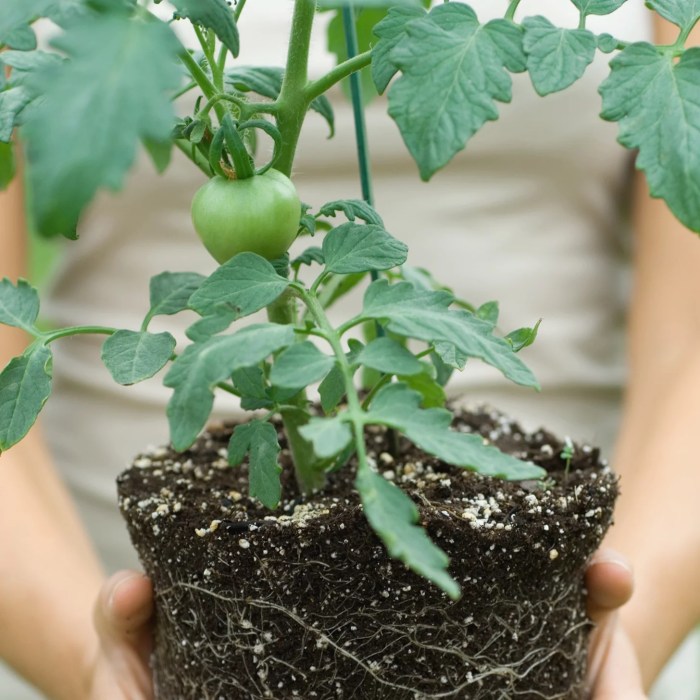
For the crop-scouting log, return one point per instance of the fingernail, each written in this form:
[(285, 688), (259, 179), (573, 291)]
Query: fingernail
[(610, 556), (117, 581)]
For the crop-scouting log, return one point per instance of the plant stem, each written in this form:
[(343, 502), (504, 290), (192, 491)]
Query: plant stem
[(510, 12), (78, 330), (194, 155), (202, 79), (292, 102), (341, 71)]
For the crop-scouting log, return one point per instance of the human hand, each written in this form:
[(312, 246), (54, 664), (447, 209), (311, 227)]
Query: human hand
[(613, 670), (123, 619)]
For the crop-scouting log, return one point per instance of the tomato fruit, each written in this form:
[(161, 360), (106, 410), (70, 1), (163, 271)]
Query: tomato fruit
[(259, 214)]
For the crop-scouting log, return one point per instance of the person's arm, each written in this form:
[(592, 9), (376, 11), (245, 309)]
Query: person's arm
[(49, 575), (657, 520)]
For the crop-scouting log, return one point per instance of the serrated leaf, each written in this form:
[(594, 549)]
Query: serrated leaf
[(216, 322), (556, 58), (244, 284), (387, 356), (655, 101), (170, 292), (523, 337), (394, 517), (300, 365), (71, 158), (454, 70), (354, 247), (397, 406), (327, 435), (489, 312), (19, 305), (599, 7), (212, 14), (160, 152), (25, 385), (7, 164), (450, 356), (425, 315), (250, 383), (352, 209), (391, 30), (17, 14), (132, 356), (332, 389), (683, 13), (12, 101), (425, 383), (313, 254), (258, 439), (267, 81), (197, 371)]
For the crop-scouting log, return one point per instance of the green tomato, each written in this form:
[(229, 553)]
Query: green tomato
[(258, 215)]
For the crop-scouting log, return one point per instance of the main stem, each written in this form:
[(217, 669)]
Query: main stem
[(291, 110), (292, 102)]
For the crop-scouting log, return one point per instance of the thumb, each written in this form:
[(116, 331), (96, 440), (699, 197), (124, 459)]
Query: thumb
[(123, 617)]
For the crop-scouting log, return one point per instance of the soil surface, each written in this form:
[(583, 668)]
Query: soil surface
[(305, 603)]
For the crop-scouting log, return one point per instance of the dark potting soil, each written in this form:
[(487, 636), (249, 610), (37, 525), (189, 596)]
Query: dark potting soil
[(305, 603)]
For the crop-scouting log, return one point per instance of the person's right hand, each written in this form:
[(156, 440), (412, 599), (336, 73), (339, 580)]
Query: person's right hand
[(123, 619)]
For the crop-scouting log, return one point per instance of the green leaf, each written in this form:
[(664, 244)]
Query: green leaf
[(599, 7), (489, 312), (212, 14), (332, 389), (7, 164), (425, 383), (17, 14), (387, 356), (160, 152), (211, 324), (556, 58), (683, 13), (267, 81), (394, 517), (397, 406), (132, 357), (245, 284), (250, 383), (654, 99), (25, 384), (353, 247), (260, 440), (327, 435), (453, 72), (300, 365), (313, 254), (22, 39), (115, 88), (450, 356), (425, 315), (170, 292), (19, 305), (197, 371), (352, 209), (523, 337), (17, 96), (391, 30)]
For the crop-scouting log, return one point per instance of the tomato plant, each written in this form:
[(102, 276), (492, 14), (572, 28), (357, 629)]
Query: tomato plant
[(259, 214)]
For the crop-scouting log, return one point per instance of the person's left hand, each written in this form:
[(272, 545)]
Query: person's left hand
[(613, 670), (123, 620)]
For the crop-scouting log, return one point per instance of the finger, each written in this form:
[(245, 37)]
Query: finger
[(609, 582), (123, 613), (619, 677)]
